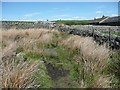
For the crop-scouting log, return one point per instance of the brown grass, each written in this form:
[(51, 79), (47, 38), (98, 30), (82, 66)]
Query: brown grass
[(92, 54), (28, 39), (92, 58), (13, 75), (13, 34), (18, 76), (102, 82)]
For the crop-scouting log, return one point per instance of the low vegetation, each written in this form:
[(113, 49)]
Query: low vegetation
[(74, 22), (42, 58)]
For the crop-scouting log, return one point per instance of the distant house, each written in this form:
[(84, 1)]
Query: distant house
[(112, 21), (96, 21), (48, 24)]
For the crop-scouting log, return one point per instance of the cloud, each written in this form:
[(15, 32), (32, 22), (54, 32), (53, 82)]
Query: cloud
[(64, 15), (98, 17), (114, 15), (99, 12), (78, 17), (101, 7), (61, 9), (61, 16), (67, 16), (4, 19), (70, 18), (108, 12), (31, 14)]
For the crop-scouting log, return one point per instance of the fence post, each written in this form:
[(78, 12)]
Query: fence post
[(93, 33), (109, 36)]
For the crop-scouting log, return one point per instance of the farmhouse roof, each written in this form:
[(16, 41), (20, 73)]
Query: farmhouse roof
[(111, 19), (106, 20), (98, 20)]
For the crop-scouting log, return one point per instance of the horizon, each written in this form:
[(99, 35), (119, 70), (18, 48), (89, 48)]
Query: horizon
[(41, 11)]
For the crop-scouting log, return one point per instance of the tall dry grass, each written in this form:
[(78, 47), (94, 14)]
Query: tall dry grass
[(18, 76), (100, 82), (14, 34), (13, 74), (92, 54), (28, 39), (92, 59)]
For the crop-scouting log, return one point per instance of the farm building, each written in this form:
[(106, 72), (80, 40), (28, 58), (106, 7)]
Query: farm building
[(48, 22), (112, 21)]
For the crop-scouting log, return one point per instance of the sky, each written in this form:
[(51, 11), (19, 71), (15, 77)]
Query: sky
[(60, 0), (57, 10)]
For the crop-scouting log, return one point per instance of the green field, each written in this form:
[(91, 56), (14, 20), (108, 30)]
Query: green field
[(74, 22)]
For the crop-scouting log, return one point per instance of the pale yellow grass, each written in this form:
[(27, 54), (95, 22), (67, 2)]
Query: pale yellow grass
[(13, 75), (18, 75), (32, 33), (92, 58), (101, 82), (93, 54), (29, 38)]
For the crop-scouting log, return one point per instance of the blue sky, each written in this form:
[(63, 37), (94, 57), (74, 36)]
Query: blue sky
[(57, 10), (60, 0)]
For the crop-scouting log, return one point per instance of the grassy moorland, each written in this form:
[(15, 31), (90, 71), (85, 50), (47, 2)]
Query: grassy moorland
[(51, 59)]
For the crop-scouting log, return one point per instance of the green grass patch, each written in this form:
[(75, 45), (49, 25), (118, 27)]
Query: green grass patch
[(19, 49), (33, 55), (74, 22), (42, 78)]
